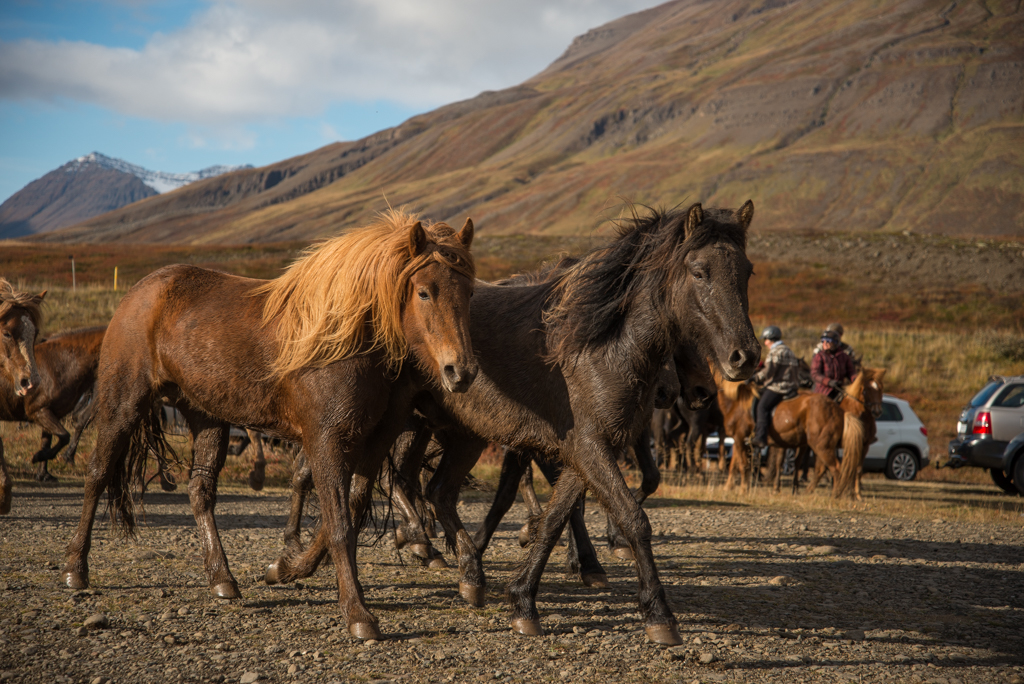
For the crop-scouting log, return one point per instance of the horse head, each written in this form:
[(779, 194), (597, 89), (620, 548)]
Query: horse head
[(436, 312), (20, 317), (709, 293), (873, 391)]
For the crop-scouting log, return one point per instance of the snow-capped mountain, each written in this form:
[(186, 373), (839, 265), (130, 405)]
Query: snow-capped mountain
[(86, 187), (158, 180)]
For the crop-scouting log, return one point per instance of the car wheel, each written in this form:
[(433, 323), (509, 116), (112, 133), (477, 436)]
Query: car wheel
[(1018, 474), (1003, 482), (901, 465)]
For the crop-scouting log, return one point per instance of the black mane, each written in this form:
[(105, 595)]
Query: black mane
[(587, 305)]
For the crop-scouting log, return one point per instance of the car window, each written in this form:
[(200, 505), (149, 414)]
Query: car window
[(1011, 397), (986, 393), (890, 412)]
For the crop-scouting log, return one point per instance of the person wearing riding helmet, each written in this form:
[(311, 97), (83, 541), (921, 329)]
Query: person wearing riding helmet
[(831, 367), (838, 329), (779, 377)]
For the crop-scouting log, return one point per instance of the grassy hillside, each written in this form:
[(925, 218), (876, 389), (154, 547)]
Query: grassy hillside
[(883, 116)]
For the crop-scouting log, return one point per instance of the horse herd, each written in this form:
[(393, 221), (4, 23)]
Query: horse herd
[(368, 353)]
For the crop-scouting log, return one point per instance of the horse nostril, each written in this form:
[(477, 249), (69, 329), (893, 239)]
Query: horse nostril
[(26, 383), (450, 372)]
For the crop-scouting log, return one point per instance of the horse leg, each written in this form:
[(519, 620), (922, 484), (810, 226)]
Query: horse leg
[(118, 420), (331, 459), (209, 451), (461, 453), (649, 483), (42, 473), (530, 499), (81, 418), (51, 426), (293, 563), (403, 477), (257, 474), (522, 588), (5, 483), (514, 468)]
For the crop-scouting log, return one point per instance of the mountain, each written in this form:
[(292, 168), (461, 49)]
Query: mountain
[(86, 187), (898, 115)]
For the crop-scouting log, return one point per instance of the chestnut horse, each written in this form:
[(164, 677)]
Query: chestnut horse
[(67, 372), (329, 354), (21, 316)]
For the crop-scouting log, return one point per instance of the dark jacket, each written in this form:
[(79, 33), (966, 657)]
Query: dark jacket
[(831, 366)]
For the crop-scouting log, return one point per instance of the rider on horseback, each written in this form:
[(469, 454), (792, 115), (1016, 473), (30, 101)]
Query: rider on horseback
[(832, 367), (838, 329), (780, 378)]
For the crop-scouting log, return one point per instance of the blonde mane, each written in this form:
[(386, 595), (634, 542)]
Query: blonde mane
[(11, 298), (345, 295)]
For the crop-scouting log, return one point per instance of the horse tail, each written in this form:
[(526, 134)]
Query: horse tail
[(147, 439), (853, 453)]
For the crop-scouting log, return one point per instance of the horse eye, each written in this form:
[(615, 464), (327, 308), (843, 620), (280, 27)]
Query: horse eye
[(8, 335), (424, 295)]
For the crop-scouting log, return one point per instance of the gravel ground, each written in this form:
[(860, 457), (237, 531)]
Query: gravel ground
[(762, 595)]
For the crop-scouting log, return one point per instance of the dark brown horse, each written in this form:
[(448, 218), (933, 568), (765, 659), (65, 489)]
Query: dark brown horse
[(330, 355), (21, 316), (67, 372)]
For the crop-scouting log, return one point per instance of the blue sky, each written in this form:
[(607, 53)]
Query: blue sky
[(179, 86)]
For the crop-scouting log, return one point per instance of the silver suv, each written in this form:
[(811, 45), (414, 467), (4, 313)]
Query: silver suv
[(994, 417)]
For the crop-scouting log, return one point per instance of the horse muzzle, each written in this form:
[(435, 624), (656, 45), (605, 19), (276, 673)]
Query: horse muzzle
[(697, 398), (457, 377)]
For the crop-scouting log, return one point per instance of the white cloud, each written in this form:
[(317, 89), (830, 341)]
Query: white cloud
[(258, 60)]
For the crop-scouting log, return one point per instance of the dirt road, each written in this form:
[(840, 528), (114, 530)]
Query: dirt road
[(762, 595)]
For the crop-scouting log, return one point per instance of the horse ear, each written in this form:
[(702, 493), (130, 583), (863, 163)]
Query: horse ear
[(42, 294), (880, 373), (466, 234), (417, 239), (695, 215), (745, 214)]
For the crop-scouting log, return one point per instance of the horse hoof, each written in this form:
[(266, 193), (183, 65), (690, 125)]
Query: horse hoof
[(438, 563), (75, 580), (623, 552), (596, 580), (273, 575), (666, 635), (40, 457), (524, 536), (256, 482), (420, 550), (400, 539), (527, 627), (168, 484), (226, 590), (474, 596), (45, 477), (364, 631)]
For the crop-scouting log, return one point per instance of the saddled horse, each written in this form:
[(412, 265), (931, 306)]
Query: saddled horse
[(21, 316), (822, 424), (329, 355), (67, 372)]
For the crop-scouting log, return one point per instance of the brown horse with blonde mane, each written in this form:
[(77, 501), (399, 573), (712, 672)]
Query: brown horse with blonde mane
[(21, 316), (330, 355)]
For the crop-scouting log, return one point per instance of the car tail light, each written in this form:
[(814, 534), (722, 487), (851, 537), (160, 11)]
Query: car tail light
[(982, 423), (924, 430)]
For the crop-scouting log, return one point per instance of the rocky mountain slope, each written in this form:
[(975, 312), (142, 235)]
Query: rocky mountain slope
[(905, 115), (85, 187)]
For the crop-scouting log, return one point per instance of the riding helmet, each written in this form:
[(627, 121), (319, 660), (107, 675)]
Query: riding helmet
[(772, 332), (836, 327), (830, 334)]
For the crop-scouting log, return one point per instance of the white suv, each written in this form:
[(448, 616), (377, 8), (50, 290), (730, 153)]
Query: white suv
[(902, 446)]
